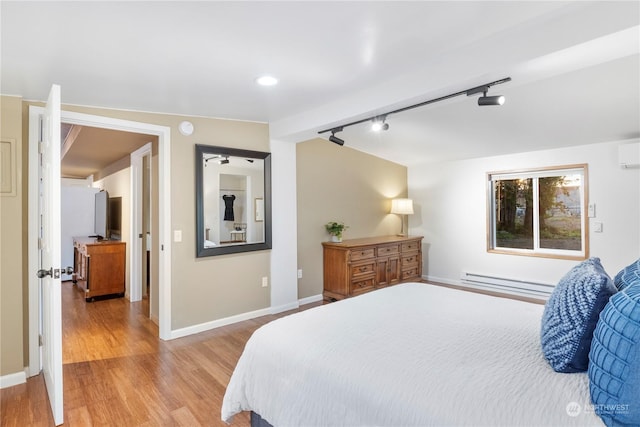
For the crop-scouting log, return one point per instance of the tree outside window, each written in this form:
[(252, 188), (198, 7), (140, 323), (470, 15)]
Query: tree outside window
[(539, 212)]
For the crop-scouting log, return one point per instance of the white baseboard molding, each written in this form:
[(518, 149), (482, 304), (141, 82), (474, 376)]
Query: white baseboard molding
[(202, 327), (311, 299), (442, 280), (13, 379), (284, 307), (459, 284)]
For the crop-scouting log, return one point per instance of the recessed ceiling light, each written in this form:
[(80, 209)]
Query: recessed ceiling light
[(267, 81)]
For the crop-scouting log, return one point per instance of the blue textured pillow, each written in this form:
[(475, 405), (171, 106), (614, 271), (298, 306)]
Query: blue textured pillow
[(571, 315), (614, 370), (627, 275)]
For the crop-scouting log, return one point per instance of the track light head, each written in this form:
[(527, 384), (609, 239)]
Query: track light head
[(484, 99), (333, 138), (336, 140), (379, 124), (491, 100), (224, 161)]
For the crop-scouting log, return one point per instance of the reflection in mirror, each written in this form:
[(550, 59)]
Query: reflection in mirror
[(233, 189)]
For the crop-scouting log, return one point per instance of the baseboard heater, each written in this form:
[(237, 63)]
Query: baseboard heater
[(509, 286)]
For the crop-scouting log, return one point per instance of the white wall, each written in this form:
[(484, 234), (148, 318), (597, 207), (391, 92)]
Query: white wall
[(451, 212), (76, 216), (284, 260), (118, 184)]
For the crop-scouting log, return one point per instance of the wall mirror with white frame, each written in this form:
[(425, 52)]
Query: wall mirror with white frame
[(233, 200)]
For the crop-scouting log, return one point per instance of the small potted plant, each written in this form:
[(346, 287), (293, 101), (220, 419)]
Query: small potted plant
[(335, 229)]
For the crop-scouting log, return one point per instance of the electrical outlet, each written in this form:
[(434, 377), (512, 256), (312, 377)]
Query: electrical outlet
[(597, 227), (177, 235), (265, 282), (299, 273)]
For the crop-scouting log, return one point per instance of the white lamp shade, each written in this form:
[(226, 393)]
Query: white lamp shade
[(402, 206)]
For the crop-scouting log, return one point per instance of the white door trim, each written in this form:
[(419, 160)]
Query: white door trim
[(35, 355), (164, 218), (135, 251)]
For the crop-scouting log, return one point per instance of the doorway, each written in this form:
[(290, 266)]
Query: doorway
[(164, 212), (121, 164)]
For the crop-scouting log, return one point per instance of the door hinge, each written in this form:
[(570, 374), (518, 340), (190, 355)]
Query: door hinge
[(40, 341), (40, 245)]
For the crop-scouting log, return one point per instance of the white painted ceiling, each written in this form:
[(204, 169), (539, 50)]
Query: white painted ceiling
[(575, 67)]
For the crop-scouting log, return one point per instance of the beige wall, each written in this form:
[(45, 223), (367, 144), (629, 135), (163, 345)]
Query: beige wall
[(204, 289), (12, 345), (341, 184)]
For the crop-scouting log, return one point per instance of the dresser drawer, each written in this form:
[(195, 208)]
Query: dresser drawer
[(363, 253), (413, 272), (362, 286), (363, 269), (410, 260), (388, 250), (411, 246)]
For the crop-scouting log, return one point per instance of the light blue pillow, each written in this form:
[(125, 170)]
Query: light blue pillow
[(627, 275), (614, 371), (571, 314)]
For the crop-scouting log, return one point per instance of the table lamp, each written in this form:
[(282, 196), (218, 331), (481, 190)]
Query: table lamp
[(402, 207)]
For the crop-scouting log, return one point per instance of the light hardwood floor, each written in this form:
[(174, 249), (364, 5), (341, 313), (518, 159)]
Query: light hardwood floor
[(118, 373)]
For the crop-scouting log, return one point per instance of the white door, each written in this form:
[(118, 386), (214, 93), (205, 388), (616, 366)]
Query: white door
[(49, 273)]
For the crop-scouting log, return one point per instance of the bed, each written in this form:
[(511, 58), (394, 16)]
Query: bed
[(413, 354)]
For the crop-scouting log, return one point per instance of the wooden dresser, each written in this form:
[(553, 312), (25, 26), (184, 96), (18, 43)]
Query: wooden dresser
[(99, 266), (357, 266)]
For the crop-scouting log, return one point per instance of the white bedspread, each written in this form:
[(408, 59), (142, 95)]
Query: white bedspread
[(413, 354)]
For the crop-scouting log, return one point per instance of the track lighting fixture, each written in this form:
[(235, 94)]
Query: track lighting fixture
[(484, 99), (491, 100), (379, 122), (333, 138), (225, 161)]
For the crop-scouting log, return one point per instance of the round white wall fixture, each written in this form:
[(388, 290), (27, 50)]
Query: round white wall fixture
[(185, 128)]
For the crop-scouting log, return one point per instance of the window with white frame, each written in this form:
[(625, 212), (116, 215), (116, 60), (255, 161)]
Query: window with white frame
[(539, 212)]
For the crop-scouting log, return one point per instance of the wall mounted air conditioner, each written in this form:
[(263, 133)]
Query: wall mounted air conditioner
[(629, 155)]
